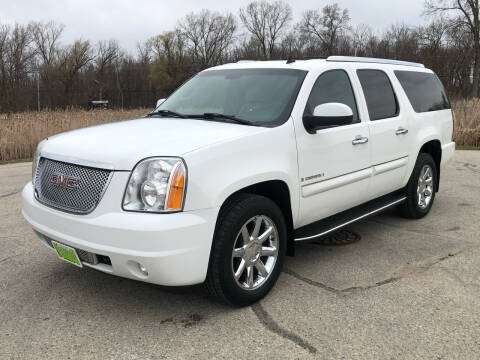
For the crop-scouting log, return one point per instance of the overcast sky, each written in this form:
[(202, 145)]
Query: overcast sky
[(131, 21)]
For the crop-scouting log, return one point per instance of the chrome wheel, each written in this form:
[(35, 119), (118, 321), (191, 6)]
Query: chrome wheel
[(255, 252), (425, 187)]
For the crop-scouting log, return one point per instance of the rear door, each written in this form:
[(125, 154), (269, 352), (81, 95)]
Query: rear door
[(389, 135)]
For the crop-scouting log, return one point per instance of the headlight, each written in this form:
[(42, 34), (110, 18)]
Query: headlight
[(156, 185)]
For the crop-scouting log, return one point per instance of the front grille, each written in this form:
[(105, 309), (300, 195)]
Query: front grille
[(80, 195)]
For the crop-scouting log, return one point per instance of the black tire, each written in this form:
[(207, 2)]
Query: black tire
[(411, 208), (220, 281)]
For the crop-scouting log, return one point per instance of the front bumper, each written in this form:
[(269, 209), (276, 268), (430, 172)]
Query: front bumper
[(174, 248)]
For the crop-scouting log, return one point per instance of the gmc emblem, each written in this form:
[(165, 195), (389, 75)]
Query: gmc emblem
[(64, 181)]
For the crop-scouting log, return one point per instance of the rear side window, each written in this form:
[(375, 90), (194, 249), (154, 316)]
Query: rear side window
[(424, 90), (381, 100)]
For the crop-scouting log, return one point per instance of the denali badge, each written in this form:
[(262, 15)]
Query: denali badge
[(64, 181)]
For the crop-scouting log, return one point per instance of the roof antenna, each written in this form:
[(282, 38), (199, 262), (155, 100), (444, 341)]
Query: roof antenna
[(290, 60)]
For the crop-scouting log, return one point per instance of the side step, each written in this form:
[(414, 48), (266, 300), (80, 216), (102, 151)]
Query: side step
[(338, 221)]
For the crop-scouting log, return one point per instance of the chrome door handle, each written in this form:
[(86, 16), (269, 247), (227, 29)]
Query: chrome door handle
[(359, 140), (401, 131)]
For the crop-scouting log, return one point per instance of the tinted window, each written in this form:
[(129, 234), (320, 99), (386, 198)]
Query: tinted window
[(424, 90), (263, 96), (332, 86), (379, 95)]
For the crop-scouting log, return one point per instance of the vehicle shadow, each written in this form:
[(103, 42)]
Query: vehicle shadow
[(377, 253)]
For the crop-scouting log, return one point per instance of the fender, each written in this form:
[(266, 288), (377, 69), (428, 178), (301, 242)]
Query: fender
[(219, 171), (423, 135)]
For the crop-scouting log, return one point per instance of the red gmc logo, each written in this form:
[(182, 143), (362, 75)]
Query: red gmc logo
[(64, 181)]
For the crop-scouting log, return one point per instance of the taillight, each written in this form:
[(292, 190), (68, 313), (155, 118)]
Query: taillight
[(453, 123)]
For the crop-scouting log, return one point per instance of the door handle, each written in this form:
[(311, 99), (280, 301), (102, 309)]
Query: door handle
[(359, 140), (401, 131)]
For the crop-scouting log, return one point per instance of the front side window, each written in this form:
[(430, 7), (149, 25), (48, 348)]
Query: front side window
[(381, 100), (263, 97), (424, 91), (332, 87)]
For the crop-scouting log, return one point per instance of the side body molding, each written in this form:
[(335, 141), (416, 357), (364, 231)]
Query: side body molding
[(319, 187)]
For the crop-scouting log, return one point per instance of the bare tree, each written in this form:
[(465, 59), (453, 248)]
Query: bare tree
[(144, 52), (171, 64), (4, 38), (16, 59), (326, 26), (266, 22), (46, 37), (106, 54), (402, 42), (20, 53), (468, 12), (433, 35), (291, 46), (210, 35), (71, 60), (361, 35)]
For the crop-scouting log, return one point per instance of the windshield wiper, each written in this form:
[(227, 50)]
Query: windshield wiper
[(167, 113), (223, 116)]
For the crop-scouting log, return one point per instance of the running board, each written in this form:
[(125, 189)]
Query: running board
[(338, 221)]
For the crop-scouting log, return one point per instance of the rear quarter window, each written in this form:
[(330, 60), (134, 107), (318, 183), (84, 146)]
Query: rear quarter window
[(424, 91)]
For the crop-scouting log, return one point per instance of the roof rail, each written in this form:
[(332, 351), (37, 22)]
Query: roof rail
[(293, 59), (373, 60)]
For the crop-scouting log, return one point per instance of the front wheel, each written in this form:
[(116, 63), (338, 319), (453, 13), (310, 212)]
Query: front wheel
[(421, 188), (248, 250)]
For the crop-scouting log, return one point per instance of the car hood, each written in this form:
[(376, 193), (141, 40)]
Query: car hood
[(120, 145)]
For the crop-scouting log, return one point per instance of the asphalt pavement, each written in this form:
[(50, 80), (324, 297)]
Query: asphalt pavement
[(403, 290)]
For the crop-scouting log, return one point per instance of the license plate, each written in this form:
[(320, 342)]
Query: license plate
[(67, 253)]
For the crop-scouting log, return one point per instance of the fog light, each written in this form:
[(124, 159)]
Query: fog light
[(137, 269), (143, 269)]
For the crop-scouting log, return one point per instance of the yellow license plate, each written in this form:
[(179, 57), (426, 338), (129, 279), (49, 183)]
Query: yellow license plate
[(67, 253)]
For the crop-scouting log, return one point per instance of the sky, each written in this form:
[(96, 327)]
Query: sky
[(133, 21)]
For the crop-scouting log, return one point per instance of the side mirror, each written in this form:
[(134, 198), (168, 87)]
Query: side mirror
[(328, 115), (159, 102)]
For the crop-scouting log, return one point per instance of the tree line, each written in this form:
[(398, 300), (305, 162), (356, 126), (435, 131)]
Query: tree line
[(38, 70)]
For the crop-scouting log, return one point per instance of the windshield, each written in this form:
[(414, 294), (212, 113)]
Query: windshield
[(263, 97)]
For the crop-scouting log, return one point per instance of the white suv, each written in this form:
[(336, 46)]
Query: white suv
[(219, 182)]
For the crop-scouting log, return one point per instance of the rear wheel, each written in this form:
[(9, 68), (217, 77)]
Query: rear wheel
[(421, 188), (248, 250)]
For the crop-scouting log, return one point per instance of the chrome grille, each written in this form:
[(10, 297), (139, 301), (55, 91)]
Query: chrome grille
[(90, 185)]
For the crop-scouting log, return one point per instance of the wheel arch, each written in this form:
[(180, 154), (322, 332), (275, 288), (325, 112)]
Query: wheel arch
[(434, 148), (279, 192)]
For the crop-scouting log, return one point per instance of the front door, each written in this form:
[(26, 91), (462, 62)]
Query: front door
[(334, 163)]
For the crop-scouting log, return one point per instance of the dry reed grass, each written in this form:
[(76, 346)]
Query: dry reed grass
[(467, 122), (21, 132)]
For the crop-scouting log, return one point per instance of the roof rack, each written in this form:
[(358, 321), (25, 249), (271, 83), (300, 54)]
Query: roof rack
[(373, 60), (293, 59)]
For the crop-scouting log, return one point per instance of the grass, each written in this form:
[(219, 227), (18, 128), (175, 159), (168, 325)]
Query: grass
[(466, 148), (467, 123), (5, 162), (21, 132)]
